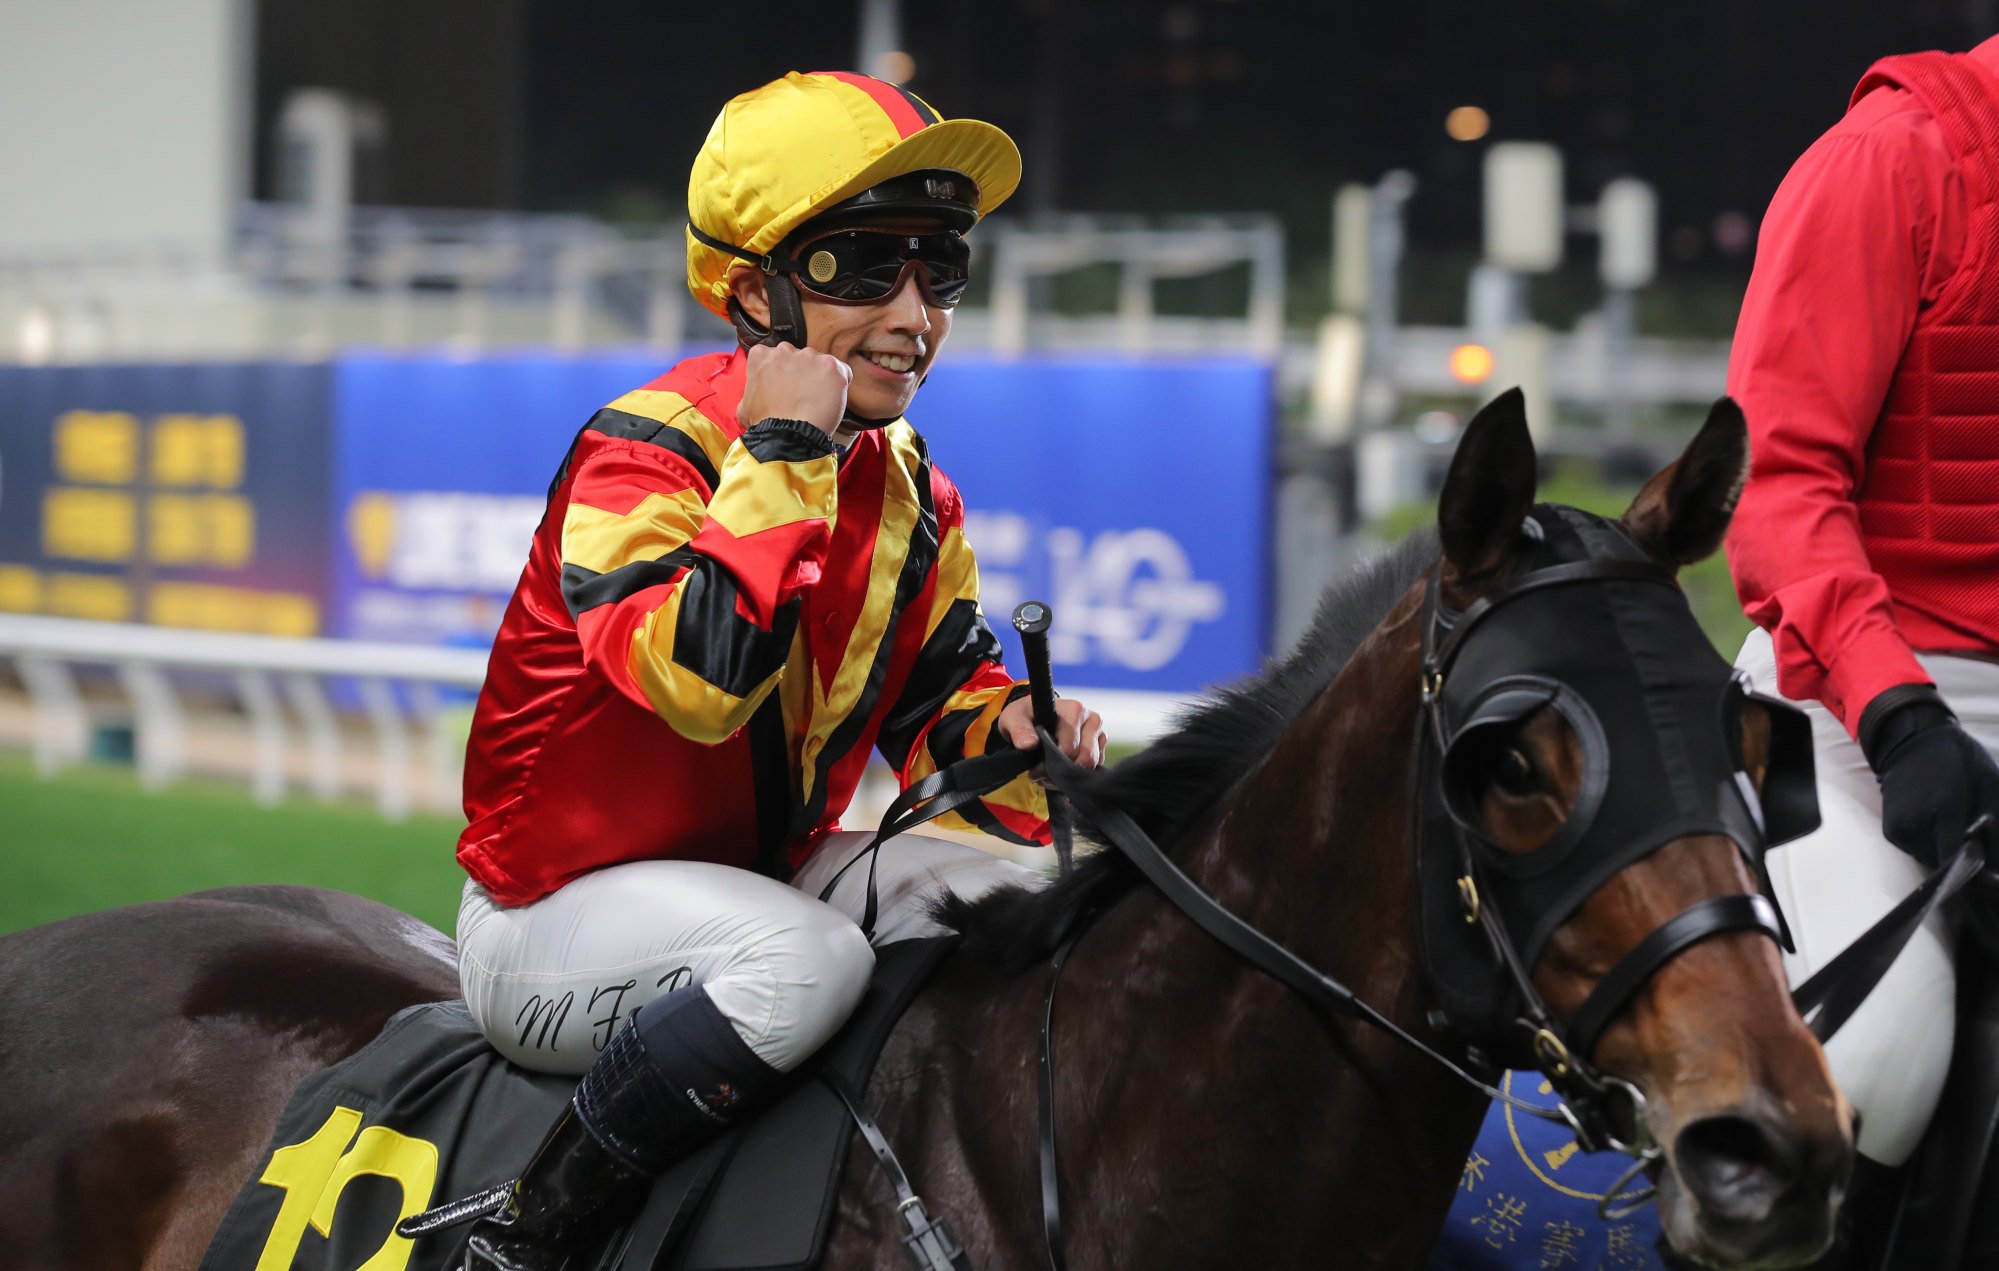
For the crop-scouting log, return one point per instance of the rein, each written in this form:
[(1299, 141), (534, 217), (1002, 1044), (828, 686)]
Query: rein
[(965, 780), (1834, 992), (1586, 1095)]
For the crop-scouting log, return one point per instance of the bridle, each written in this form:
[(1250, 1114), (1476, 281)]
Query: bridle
[(1605, 1112), (1459, 889)]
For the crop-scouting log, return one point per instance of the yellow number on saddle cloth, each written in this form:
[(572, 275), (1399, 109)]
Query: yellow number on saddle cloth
[(315, 1172)]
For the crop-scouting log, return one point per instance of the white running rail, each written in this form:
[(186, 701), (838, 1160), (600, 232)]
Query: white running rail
[(268, 674), (264, 671)]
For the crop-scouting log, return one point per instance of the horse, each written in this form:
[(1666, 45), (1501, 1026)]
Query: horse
[(1208, 1117)]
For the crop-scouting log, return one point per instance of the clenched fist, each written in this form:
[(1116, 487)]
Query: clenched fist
[(787, 382)]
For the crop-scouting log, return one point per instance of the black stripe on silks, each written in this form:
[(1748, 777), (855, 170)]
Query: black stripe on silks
[(628, 427), (585, 589), (959, 645), (712, 638), (717, 643), (786, 441), (981, 818), (946, 747), (770, 779), (916, 569), (923, 112), (946, 742), (568, 457)]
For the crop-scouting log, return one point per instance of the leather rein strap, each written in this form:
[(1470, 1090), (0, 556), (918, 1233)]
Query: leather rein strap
[(1325, 995), (1837, 989), (925, 801)]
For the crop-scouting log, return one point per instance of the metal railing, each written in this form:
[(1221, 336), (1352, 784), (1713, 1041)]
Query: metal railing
[(280, 686), (298, 285), (282, 689)]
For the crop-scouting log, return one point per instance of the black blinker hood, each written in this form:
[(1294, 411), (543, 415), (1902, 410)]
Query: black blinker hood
[(1656, 712)]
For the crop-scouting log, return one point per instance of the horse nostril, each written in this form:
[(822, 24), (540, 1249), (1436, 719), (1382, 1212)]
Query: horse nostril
[(1734, 1168)]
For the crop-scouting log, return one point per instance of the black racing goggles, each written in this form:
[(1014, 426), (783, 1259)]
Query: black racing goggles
[(863, 265)]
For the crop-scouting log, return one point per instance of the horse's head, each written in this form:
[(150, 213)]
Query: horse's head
[(1605, 788)]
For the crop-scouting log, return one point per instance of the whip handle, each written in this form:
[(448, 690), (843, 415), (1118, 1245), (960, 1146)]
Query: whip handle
[(1032, 618)]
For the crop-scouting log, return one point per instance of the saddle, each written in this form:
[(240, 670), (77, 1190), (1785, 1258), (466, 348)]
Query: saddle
[(429, 1111)]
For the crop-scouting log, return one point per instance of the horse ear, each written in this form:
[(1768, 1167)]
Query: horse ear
[(1682, 513), (1490, 486)]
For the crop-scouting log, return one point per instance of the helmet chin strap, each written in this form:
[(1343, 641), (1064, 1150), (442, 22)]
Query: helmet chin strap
[(787, 326)]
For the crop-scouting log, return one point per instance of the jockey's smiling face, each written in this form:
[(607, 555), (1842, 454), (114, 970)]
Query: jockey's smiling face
[(888, 344)]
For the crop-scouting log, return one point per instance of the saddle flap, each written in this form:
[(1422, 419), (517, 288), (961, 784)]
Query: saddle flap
[(762, 1197)]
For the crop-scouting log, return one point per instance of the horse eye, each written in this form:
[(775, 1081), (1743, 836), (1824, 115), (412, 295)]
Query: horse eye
[(1514, 773)]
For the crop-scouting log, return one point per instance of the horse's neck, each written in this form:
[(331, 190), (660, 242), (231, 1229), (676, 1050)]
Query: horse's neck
[(1232, 1090)]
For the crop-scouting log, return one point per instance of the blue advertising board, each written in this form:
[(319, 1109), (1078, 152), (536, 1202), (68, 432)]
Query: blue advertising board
[(1133, 496), (441, 470), (183, 495)]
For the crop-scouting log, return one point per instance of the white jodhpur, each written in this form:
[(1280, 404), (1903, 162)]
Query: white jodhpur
[(550, 982), (1891, 1056)]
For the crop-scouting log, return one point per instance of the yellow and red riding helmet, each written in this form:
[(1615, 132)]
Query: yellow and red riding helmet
[(782, 154)]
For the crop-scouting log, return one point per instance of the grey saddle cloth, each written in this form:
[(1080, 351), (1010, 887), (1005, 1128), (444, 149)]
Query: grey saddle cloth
[(428, 1112)]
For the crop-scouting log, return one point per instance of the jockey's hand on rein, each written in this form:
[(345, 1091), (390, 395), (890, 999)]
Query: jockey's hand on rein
[(1080, 733), (1935, 778)]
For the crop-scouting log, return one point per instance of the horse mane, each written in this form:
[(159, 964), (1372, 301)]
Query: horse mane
[(1215, 742)]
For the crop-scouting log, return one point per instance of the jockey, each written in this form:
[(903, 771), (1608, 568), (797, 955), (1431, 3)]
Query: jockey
[(1866, 545), (749, 574)]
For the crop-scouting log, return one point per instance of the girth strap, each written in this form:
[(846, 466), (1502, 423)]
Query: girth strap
[(1710, 917), (930, 1243)]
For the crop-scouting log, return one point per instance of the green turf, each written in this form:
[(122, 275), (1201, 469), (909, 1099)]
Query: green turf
[(92, 839)]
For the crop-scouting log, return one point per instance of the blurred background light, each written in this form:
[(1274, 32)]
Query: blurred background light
[(37, 337), (1471, 363), (1467, 123), (1733, 232), (895, 66)]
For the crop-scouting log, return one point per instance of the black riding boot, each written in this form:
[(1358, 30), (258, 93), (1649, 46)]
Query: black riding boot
[(669, 1082), (565, 1203)]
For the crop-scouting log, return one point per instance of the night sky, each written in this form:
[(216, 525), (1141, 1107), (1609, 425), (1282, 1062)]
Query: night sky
[(1144, 106), (1209, 105)]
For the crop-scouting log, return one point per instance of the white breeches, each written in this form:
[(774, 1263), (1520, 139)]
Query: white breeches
[(1833, 884), (550, 982)]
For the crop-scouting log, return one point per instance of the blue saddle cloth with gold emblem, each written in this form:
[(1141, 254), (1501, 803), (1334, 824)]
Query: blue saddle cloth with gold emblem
[(1528, 1200)]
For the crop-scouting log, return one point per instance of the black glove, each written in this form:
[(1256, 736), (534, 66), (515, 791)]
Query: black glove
[(1935, 780)]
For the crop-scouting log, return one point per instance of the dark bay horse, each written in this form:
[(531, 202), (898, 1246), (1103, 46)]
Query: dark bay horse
[(1208, 1119)]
